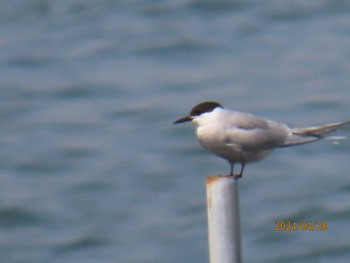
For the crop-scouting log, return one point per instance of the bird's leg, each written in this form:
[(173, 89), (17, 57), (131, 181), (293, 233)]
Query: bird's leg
[(232, 166), (241, 173)]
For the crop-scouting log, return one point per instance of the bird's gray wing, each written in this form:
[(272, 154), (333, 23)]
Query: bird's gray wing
[(250, 133)]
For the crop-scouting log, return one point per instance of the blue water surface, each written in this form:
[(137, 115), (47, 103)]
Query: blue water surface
[(91, 167)]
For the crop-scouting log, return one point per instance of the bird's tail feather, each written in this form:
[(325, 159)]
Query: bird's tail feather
[(311, 134)]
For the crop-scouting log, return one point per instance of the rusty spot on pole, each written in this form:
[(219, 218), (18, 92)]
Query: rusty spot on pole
[(212, 179)]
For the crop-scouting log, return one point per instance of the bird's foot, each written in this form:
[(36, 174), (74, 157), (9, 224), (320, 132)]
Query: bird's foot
[(234, 176), (237, 176)]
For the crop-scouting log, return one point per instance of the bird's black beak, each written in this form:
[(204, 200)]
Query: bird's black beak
[(183, 119)]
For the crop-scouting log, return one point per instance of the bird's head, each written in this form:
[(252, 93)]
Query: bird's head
[(199, 110)]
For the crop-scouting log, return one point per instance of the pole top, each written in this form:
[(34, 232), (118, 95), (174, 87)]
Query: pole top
[(212, 179)]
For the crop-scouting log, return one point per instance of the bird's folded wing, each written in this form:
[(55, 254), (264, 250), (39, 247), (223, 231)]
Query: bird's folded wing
[(255, 138)]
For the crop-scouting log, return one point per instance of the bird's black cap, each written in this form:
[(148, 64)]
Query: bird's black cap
[(199, 109)]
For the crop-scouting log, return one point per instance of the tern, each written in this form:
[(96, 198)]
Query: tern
[(240, 137)]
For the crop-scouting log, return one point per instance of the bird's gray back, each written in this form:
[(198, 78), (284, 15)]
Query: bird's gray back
[(252, 133)]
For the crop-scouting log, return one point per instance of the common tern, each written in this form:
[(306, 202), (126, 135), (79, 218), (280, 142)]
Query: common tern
[(241, 137)]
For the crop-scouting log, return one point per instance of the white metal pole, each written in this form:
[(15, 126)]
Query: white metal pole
[(223, 219)]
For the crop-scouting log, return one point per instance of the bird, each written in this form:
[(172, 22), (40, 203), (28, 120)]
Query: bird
[(241, 138)]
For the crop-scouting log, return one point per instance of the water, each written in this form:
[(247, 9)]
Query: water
[(91, 168)]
